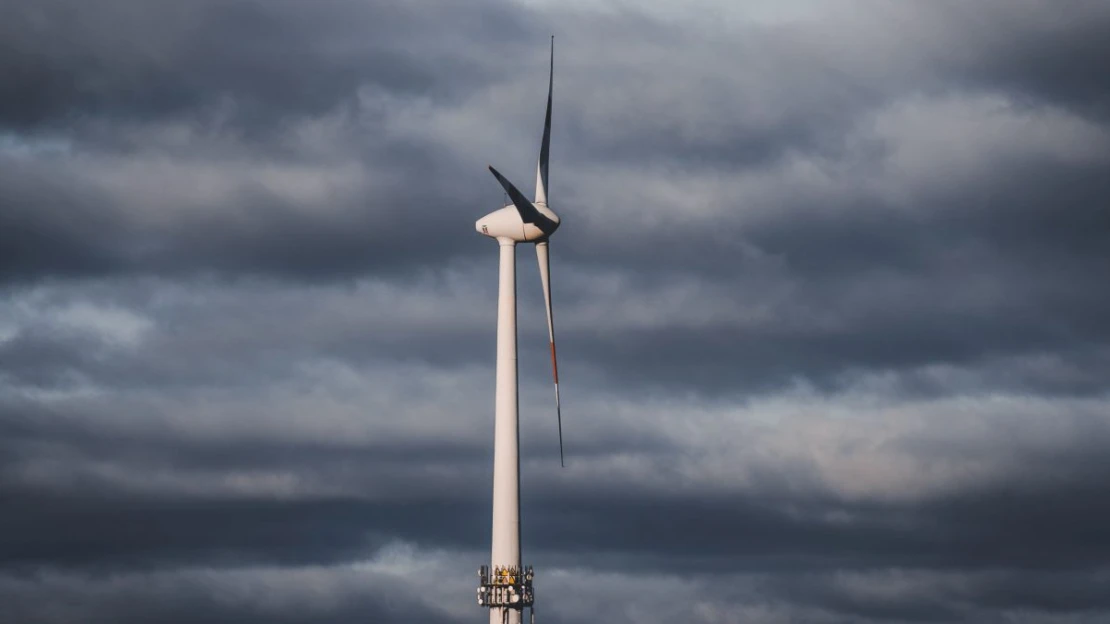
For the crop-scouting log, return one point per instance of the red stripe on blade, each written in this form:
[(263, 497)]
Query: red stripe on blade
[(554, 365)]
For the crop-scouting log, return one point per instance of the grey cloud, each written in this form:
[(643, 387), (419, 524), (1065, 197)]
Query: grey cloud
[(844, 359), (68, 60), (295, 595), (237, 79)]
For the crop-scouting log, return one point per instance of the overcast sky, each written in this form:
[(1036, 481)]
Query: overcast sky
[(831, 298)]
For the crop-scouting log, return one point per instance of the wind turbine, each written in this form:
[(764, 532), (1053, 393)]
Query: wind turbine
[(506, 587)]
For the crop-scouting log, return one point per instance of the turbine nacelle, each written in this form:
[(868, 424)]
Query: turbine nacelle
[(508, 223)]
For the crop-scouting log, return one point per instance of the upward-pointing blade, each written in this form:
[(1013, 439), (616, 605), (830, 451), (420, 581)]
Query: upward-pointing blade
[(545, 277), (527, 211), (545, 145)]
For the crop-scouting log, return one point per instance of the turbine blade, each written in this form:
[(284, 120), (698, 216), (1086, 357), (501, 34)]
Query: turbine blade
[(545, 277), (527, 211), (545, 144)]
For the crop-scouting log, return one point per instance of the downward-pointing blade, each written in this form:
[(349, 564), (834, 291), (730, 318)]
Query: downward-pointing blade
[(527, 211), (545, 144), (545, 277)]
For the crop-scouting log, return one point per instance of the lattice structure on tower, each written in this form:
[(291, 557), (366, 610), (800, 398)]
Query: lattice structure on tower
[(507, 587)]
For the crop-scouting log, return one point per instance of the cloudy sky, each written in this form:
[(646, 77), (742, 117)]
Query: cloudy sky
[(831, 296)]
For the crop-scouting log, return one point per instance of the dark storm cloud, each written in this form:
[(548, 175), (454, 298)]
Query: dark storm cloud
[(1041, 526), (112, 534), (1045, 516), (830, 308), (66, 61), (1009, 264), (57, 222), (1040, 54), (992, 525), (900, 595), (305, 595), (107, 79), (285, 63), (90, 521)]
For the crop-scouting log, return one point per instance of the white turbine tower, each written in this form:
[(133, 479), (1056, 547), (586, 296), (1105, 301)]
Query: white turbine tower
[(506, 587)]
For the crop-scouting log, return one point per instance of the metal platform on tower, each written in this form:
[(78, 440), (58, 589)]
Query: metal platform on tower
[(507, 587)]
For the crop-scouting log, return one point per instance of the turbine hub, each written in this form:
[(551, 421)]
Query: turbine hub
[(507, 223)]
